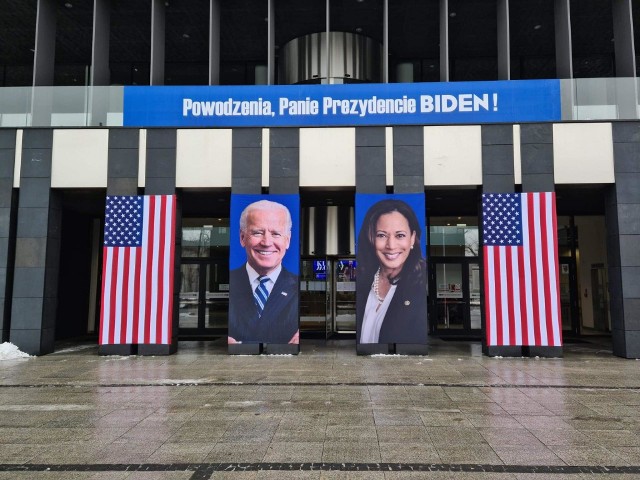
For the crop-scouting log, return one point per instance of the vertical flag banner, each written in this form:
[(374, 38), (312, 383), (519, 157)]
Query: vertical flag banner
[(521, 282), (137, 270), (264, 267), (391, 279)]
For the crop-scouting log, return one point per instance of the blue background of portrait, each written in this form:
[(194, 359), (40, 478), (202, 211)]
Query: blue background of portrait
[(237, 253), (364, 201)]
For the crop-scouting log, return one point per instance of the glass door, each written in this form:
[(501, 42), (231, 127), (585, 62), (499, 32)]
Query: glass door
[(315, 297), (568, 295), (454, 296), (344, 294), (204, 296)]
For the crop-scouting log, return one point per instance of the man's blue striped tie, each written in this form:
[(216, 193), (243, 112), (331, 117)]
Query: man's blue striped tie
[(261, 294)]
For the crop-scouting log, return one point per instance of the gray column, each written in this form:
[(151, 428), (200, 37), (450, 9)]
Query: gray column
[(271, 43), (626, 88), (536, 152), (160, 179), (157, 42), (497, 177), (623, 33), (497, 159), (246, 160), (371, 160), (35, 286), (44, 51), (246, 178), (408, 159), (284, 160), (385, 41), (100, 44), (444, 40), (7, 228), (622, 215), (504, 48), (214, 42), (122, 179), (564, 56)]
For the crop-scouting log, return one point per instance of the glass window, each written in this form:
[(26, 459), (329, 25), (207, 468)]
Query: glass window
[(454, 236), (205, 237), (567, 236)]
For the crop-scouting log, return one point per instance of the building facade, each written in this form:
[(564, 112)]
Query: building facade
[(65, 144)]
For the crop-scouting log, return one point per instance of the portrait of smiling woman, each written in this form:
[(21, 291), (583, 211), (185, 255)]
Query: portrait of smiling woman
[(391, 290)]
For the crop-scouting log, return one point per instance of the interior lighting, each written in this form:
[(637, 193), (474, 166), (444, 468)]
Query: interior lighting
[(452, 14), (359, 29), (68, 5), (537, 27), (186, 35)]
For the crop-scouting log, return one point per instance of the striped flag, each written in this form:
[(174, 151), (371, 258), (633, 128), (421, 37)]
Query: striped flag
[(137, 270), (521, 282)]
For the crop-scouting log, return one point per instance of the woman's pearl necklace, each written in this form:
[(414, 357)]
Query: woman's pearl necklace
[(376, 286)]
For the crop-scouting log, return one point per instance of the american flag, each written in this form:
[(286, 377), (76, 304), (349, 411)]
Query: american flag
[(521, 283), (137, 270)]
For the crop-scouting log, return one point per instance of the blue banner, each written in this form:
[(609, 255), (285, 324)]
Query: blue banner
[(343, 105)]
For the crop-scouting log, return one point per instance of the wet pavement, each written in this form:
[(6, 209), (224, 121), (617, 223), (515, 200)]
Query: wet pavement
[(325, 414)]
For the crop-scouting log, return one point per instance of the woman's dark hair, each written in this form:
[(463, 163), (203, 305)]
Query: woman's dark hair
[(367, 260)]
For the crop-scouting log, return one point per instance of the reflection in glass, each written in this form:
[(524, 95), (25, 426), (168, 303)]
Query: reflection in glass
[(189, 296), (454, 236), (449, 296)]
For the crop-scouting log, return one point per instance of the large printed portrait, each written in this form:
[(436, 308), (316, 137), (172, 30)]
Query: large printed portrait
[(264, 266), (391, 280)]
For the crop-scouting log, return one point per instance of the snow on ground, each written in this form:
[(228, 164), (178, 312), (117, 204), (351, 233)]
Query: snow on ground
[(8, 351)]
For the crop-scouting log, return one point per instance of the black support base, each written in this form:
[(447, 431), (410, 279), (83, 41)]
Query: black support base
[(522, 351), (245, 349), (281, 349)]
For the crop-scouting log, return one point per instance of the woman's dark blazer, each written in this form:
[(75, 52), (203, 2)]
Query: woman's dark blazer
[(406, 317)]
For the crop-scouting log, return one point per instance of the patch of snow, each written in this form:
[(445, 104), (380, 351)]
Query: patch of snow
[(8, 351), (390, 355)]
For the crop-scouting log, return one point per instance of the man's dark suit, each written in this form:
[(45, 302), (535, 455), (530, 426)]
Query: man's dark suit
[(279, 320)]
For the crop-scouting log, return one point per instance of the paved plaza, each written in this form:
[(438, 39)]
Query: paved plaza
[(325, 414)]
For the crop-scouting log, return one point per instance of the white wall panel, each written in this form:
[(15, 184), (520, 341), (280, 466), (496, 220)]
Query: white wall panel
[(203, 158), (517, 155), (327, 157), (79, 158), (583, 153), (453, 155)]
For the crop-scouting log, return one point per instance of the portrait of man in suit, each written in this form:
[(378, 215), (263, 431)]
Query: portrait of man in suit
[(263, 296)]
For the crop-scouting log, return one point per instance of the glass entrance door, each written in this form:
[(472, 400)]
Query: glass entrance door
[(204, 296), (328, 295), (454, 296), (568, 296)]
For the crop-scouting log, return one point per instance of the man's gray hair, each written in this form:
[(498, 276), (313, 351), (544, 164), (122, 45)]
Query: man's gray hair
[(265, 205)]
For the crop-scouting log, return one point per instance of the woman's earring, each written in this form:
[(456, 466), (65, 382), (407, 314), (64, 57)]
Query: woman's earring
[(411, 247)]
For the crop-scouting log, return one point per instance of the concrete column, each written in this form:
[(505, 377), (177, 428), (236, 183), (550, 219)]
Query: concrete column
[(8, 201), (408, 159), (623, 33), (504, 47), (536, 153), (564, 56), (626, 88), (44, 51), (160, 179), (271, 43), (246, 178), (444, 40), (497, 159), (385, 41), (157, 42), (35, 286), (100, 74), (214, 42), (284, 178), (122, 179), (622, 216)]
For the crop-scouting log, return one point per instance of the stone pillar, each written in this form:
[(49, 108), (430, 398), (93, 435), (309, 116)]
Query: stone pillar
[(35, 286), (8, 201), (122, 179), (622, 216), (246, 178), (284, 178), (497, 177), (160, 179)]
